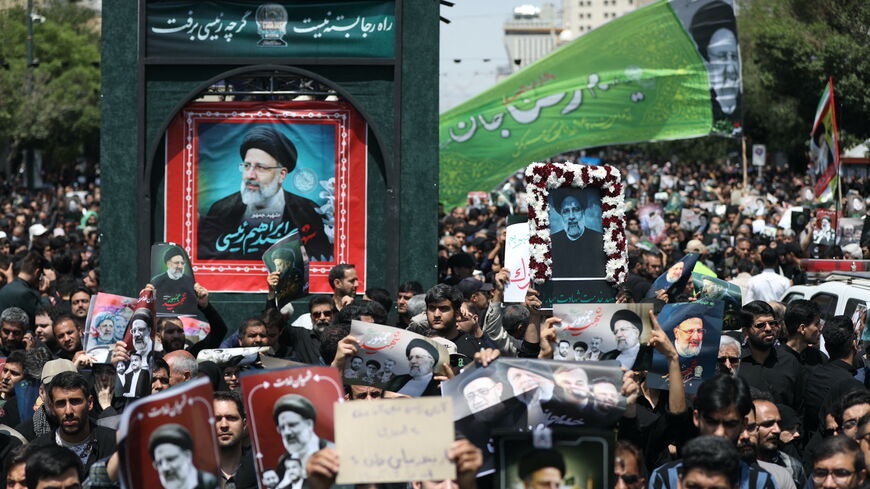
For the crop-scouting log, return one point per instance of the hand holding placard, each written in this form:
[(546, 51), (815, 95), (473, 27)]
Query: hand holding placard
[(395, 440)]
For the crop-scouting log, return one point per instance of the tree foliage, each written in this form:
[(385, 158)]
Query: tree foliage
[(55, 106), (789, 48)]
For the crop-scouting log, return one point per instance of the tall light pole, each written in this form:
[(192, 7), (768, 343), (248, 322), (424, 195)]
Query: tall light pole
[(28, 150)]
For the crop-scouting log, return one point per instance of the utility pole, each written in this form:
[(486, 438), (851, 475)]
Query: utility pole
[(28, 150)]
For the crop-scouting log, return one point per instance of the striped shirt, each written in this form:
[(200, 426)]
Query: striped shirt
[(665, 477)]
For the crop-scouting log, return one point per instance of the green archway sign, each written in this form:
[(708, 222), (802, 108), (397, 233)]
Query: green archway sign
[(352, 85)]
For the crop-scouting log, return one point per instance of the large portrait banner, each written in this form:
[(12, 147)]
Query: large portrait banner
[(242, 176), (168, 439)]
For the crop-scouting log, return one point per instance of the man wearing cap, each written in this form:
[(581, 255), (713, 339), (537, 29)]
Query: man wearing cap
[(696, 246), (69, 400), (542, 469), (262, 211), (578, 251), (295, 417), (42, 422), (171, 449), (419, 381), (174, 289)]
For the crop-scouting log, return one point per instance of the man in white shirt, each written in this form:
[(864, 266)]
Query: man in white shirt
[(767, 285)]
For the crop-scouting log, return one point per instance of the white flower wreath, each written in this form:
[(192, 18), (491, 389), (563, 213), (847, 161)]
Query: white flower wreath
[(540, 178)]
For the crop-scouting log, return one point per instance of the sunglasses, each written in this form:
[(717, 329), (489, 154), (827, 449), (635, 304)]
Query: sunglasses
[(629, 478), (326, 314), (733, 360), (762, 324)]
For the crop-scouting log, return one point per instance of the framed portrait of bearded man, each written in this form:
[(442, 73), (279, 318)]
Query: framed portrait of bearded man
[(241, 176)]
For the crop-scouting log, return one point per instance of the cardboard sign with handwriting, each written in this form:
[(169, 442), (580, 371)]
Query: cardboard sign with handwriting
[(394, 440), (169, 437), (517, 262)]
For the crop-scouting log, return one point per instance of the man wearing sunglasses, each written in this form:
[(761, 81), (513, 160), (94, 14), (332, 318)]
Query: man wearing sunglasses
[(721, 410), (838, 464), (765, 365)]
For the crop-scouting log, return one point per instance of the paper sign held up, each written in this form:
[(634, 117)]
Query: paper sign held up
[(394, 440)]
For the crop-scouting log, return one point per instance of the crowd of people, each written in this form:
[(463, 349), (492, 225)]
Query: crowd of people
[(789, 406)]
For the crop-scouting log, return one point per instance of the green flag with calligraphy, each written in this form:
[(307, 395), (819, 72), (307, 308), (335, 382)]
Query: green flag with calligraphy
[(670, 70)]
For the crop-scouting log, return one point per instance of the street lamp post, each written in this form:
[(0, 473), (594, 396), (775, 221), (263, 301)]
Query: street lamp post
[(28, 150)]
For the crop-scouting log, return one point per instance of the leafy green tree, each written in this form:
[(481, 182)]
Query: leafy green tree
[(55, 106), (789, 49)]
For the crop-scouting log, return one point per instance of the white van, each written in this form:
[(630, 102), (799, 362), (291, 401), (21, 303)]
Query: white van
[(840, 293)]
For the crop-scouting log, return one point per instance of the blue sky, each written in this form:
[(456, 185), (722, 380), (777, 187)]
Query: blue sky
[(474, 33)]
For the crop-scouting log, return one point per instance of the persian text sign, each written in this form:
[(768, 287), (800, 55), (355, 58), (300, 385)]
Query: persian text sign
[(220, 29), (669, 70)]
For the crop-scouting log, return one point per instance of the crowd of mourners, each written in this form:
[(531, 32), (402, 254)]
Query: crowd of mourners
[(788, 408)]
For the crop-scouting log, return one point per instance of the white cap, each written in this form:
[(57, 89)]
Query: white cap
[(37, 230), (853, 252)]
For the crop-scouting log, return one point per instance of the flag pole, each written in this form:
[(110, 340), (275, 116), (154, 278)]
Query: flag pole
[(836, 156), (745, 173)]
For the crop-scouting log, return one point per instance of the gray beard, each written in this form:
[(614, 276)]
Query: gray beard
[(261, 196), (174, 275)]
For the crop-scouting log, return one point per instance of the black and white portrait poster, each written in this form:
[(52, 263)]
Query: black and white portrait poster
[(694, 328), (591, 332), (395, 360), (290, 417), (577, 247), (563, 457), (172, 278), (168, 440), (287, 257), (526, 394), (134, 375), (675, 278), (825, 231)]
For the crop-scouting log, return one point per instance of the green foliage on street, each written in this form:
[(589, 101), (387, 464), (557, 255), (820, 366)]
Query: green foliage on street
[(58, 110), (789, 49)]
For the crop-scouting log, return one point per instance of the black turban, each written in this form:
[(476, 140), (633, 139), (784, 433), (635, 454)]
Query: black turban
[(270, 140), (170, 433), (421, 343), (295, 403), (171, 253), (626, 315), (540, 459), (286, 254)]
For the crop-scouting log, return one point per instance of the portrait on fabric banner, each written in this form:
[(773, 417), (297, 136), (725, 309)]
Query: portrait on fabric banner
[(242, 176)]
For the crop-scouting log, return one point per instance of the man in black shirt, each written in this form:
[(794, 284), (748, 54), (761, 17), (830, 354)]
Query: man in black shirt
[(443, 303), (803, 325), (764, 366), (829, 382)]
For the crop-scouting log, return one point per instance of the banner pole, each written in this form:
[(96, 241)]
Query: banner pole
[(745, 171)]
